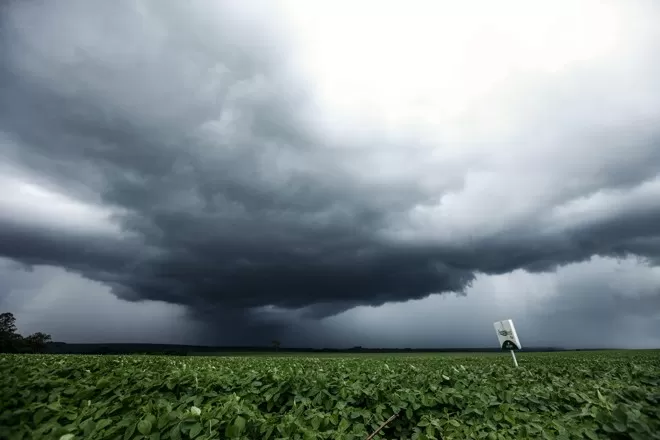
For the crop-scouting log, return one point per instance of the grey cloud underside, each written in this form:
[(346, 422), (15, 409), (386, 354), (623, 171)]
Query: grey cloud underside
[(227, 192)]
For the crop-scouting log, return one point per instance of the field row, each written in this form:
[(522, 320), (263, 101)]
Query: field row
[(553, 396)]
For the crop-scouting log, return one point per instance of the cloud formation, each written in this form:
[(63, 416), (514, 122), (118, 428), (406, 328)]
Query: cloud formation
[(600, 303), (184, 153)]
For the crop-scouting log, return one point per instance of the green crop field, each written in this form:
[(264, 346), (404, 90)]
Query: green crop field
[(592, 395)]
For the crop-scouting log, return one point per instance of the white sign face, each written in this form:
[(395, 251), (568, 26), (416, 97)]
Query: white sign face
[(507, 336)]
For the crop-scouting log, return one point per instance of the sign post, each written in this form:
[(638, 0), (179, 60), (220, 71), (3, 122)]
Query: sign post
[(508, 338)]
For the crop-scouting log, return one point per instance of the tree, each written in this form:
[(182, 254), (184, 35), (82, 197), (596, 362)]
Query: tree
[(38, 342), (9, 339), (276, 344), (12, 342), (7, 324)]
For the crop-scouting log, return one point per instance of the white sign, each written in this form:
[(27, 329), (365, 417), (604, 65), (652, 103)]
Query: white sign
[(507, 336)]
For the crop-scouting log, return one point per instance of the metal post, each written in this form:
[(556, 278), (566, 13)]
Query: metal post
[(515, 361)]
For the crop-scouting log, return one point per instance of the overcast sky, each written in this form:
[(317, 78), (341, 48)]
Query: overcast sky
[(331, 173)]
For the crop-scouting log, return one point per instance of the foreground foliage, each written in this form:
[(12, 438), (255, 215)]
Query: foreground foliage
[(607, 395)]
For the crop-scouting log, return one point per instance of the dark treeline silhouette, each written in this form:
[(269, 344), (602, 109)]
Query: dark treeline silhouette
[(12, 342)]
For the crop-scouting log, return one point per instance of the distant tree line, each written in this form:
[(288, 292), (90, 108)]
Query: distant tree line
[(12, 342)]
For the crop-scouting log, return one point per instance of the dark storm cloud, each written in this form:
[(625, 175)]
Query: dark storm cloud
[(73, 309), (83, 252), (229, 194), (600, 303)]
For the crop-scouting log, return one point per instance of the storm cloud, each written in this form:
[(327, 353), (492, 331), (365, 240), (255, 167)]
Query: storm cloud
[(184, 153)]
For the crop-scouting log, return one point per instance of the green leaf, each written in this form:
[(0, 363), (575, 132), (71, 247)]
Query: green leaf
[(39, 416), (620, 415), (88, 427), (103, 383), (619, 427), (151, 418), (103, 423), (163, 421), (130, 431), (195, 430), (230, 431), (592, 435), (144, 427), (609, 428), (69, 391), (268, 433), (175, 433), (239, 423)]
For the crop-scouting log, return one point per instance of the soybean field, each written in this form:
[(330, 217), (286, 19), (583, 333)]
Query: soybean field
[(567, 395)]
